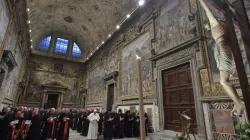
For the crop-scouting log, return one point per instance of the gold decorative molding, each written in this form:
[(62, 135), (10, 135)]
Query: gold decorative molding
[(205, 82), (193, 6)]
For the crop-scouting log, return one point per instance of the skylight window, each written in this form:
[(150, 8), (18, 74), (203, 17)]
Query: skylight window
[(76, 52), (44, 44), (61, 45)]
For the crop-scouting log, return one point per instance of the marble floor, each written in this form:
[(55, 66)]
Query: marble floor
[(76, 136)]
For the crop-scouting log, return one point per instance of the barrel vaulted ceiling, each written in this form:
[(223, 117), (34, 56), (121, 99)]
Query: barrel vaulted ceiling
[(90, 21)]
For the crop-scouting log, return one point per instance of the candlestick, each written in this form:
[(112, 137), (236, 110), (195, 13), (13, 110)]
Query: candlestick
[(141, 103)]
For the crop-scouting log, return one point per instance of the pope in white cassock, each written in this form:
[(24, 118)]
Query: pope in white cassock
[(93, 125)]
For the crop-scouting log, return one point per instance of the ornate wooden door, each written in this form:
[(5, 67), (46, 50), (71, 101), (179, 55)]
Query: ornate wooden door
[(110, 100), (178, 96)]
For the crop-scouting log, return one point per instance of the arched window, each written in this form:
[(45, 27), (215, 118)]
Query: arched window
[(61, 45), (44, 44), (76, 52)]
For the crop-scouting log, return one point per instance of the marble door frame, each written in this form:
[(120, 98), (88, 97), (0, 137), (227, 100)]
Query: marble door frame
[(108, 80), (173, 59), (60, 91)]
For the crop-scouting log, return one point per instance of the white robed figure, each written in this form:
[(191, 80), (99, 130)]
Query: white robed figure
[(93, 125)]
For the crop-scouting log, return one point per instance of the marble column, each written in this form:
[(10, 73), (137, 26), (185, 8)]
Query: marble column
[(61, 102)]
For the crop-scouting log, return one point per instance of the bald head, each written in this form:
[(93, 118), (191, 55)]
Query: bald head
[(7, 110), (66, 110), (25, 109), (35, 111), (52, 110)]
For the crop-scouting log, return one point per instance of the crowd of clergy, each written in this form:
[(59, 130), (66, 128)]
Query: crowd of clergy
[(24, 123)]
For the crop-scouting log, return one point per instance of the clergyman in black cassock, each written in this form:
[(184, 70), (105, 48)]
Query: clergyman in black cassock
[(146, 123), (62, 127), (85, 125), (128, 124), (47, 130), (2, 114), (6, 131), (136, 126), (108, 126), (74, 122), (119, 123), (79, 122), (35, 128), (100, 124)]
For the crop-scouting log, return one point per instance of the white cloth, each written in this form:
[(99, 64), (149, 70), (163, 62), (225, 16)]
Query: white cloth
[(28, 122), (93, 126)]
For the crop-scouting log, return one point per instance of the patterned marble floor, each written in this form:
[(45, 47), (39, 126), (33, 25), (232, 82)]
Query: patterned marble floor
[(76, 136)]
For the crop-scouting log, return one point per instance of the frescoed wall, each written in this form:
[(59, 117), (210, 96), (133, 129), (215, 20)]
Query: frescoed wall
[(112, 62), (39, 78), (173, 26), (129, 71), (49, 71), (4, 20), (95, 85), (10, 83)]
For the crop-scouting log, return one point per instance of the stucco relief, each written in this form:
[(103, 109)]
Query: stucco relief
[(129, 71), (39, 78), (4, 20), (95, 84), (178, 55), (173, 25)]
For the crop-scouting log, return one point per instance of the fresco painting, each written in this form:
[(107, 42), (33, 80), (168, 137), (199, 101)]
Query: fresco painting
[(96, 84), (174, 27), (39, 78), (112, 62), (4, 20), (129, 76)]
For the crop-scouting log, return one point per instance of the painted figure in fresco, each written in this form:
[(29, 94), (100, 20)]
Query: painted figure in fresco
[(125, 85), (224, 58)]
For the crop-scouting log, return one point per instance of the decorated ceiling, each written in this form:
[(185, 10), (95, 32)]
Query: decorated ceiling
[(89, 21)]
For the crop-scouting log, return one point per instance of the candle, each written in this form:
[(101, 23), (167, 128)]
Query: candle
[(141, 104)]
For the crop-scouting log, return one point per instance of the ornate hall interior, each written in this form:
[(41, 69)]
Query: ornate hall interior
[(84, 54)]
